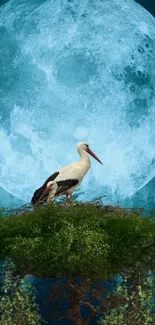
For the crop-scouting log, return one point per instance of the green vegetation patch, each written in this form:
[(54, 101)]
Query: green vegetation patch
[(80, 239)]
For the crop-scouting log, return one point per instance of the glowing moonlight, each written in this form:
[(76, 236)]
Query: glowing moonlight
[(77, 71)]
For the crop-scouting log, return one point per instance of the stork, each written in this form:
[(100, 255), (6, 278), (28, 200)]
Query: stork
[(67, 179)]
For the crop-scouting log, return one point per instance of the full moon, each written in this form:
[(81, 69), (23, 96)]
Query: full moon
[(77, 71)]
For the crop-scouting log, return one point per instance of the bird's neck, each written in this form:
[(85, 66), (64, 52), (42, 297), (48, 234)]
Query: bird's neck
[(85, 160)]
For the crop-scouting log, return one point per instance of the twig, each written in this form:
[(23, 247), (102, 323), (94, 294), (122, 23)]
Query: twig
[(99, 198)]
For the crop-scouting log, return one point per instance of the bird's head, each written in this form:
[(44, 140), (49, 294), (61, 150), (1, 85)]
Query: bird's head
[(49, 184), (83, 146), (46, 190)]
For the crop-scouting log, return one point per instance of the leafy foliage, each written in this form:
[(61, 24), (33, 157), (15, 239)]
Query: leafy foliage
[(17, 302), (137, 306), (86, 240), (77, 240)]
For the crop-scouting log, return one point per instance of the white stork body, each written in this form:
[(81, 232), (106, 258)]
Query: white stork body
[(67, 179)]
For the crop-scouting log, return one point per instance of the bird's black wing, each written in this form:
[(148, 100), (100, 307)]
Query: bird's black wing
[(37, 194), (65, 185)]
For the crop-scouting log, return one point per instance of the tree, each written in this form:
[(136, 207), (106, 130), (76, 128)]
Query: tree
[(137, 306), (85, 240), (17, 301)]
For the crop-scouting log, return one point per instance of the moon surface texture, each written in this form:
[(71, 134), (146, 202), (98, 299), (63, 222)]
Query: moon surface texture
[(76, 71)]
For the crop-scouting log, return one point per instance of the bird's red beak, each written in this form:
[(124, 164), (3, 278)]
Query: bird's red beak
[(94, 156), (44, 194)]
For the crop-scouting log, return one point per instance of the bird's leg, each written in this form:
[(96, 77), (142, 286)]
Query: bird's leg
[(66, 198), (70, 196), (70, 200)]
